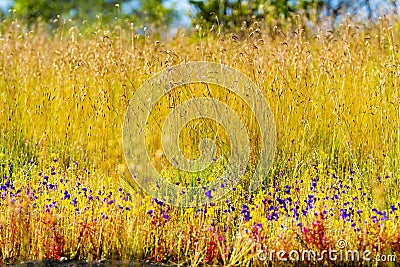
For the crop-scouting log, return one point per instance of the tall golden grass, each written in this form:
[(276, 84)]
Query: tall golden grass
[(63, 96)]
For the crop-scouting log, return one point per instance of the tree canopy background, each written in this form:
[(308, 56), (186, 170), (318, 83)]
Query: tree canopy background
[(142, 11), (226, 14)]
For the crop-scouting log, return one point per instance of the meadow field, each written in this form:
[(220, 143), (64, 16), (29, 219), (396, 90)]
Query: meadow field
[(66, 191)]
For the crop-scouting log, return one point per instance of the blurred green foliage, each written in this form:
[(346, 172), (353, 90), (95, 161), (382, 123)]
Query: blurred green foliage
[(233, 14), (154, 12), (225, 14), (144, 11)]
